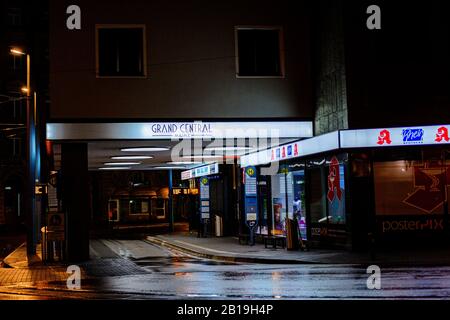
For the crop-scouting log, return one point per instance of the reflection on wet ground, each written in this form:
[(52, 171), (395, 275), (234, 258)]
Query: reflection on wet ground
[(156, 273)]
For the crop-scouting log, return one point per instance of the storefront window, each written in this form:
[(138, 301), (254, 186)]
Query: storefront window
[(279, 204), (327, 192), (290, 187), (410, 194), (318, 206), (296, 198), (410, 187), (326, 196), (336, 192)]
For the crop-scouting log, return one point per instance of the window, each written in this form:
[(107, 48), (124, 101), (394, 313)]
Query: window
[(259, 52), (159, 208), (15, 16), (113, 210), (121, 51), (279, 204), (411, 187), (318, 206), (139, 206), (327, 192)]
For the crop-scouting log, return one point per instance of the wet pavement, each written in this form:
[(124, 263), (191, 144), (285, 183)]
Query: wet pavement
[(135, 269)]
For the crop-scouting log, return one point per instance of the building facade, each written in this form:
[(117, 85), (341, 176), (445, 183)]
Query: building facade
[(129, 81), (24, 26)]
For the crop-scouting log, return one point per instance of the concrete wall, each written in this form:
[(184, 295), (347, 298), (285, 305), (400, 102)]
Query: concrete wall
[(330, 77), (399, 75), (396, 76), (191, 61)]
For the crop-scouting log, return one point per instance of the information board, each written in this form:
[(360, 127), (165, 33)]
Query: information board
[(251, 197), (204, 198)]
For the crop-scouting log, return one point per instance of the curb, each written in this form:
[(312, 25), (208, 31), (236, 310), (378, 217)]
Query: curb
[(164, 243), (234, 259)]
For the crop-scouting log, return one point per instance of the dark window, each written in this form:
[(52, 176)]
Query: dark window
[(259, 52), (14, 16), (121, 52)]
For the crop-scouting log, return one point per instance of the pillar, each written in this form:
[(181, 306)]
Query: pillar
[(75, 199)]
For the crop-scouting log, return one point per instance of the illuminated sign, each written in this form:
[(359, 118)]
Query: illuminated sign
[(200, 171), (384, 137), (323, 143), (365, 138), (184, 191), (175, 130)]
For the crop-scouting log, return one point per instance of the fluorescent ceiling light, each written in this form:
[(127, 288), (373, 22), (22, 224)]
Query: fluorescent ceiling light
[(131, 157), (145, 149), (184, 162), (203, 157), (168, 168), (228, 148), (115, 168), (121, 163)]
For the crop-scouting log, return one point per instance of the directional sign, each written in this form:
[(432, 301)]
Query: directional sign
[(40, 189)]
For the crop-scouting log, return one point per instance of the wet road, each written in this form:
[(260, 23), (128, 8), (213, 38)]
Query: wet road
[(167, 274), (185, 278)]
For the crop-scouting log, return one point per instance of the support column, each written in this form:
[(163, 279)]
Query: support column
[(171, 218), (75, 199), (32, 221)]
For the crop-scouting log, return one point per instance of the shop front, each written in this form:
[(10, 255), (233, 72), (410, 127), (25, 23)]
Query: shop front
[(411, 179), (358, 189), (216, 184), (303, 182)]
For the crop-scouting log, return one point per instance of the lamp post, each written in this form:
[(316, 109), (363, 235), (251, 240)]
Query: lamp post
[(31, 160)]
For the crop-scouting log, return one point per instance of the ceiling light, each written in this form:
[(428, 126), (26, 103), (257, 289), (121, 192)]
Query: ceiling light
[(115, 168), (131, 157), (168, 168), (145, 149), (184, 162), (203, 157), (121, 163), (228, 148)]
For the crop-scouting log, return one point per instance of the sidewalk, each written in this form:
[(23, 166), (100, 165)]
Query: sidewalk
[(18, 268), (229, 249)]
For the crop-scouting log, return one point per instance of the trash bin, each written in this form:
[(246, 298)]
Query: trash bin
[(219, 226)]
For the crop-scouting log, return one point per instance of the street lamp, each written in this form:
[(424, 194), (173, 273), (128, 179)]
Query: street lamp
[(31, 158), (17, 52)]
